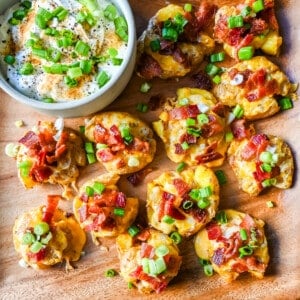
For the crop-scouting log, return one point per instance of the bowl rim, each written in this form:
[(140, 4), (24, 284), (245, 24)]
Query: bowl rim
[(125, 9)]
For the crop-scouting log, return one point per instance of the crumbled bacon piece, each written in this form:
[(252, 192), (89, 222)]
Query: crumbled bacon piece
[(49, 209), (30, 139), (188, 138), (210, 154), (105, 155), (147, 251), (36, 257), (211, 128), (213, 231), (155, 102), (179, 149), (240, 129), (219, 109), (181, 186), (258, 26), (148, 67)]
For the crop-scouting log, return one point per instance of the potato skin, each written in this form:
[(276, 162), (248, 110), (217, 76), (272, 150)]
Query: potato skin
[(263, 107), (197, 178), (120, 164), (129, 252), (66, 244), (227, 263), (244, 169)]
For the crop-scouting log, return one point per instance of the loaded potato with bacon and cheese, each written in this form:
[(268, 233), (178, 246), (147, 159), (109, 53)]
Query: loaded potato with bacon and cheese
[(246, 27), (50, 153), (102, 209), (183, 202), (232, 244), (261, 161), (149, 260), (193, 128), (174, 43), (47, 235), (124, 143), (255, 85)]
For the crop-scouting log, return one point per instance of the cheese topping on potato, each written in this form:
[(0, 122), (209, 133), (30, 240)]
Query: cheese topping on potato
[(46, 236), (124, 143), (183, 202), (193, 128), (148, 260), (233, 243), (102, 210)]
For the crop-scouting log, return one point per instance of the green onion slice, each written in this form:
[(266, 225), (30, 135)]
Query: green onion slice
[(176, 237)]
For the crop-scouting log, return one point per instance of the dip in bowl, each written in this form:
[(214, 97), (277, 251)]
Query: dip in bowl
[(66, 57)]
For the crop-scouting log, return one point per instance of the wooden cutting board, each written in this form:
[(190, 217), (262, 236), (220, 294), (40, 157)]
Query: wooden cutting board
[(282, 280)]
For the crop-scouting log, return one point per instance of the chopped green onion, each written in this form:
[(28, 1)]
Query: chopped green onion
[(266, 157), (176, 237), (121, 28), (9, 59), (167, 219), (19, 14), (203, 203), (45, 240), (181, 167), (91, 158), (130, 285), (28, 238), (145, 87), (36, 247), (24, 168), (57, 10), (160, 266), (217, 79), (161, 250), (221, 217), (270, 204), (110, 12), (89, 148), (26, 69), (193, 131), (13, 21), (208, 270), (101, 146), (41, 228), (145, 265), (187, 204), (142, 107), (74, 73), (81, 17), (48, 100), (42, 53), (62, 14), (258, 6), (125, 134), (245, 251), (112, 52), (183, 101), (203, 262), (53, 54), (170, 34), (217, 57), (253, 235), (110, 273), (212, 70), (98, 187), (266, 167), (205, 192), (133, 230), (221, 177), (185, 146), (26, 4), (269, 182), (51, 31), (86, 66), (285, 103), (188, 7), (55, 69), (116, 61), (245, 53), (82, 48), (155, 45), (82, 129), (238, 111), (64, 42), (202, 119), (243, 234), (120, 212), (102, 78), (246, 11), (70, 82), (190, 122), (235, 21), (89, 191), (228, 137)]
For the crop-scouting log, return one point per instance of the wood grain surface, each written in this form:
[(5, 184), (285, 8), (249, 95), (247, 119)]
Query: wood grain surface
[(87, 281)]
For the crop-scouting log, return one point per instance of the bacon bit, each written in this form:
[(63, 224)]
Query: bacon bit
[(247, 40), (269, 16), (275, 171), (84, 198), (211, 128), (136, 178), (179, 149), (147, 251), (192, 111), (255, 265), (40, 173), (179, 113), (255, 146), (189, 138), (105, 155), (180, 57), (259, 175), (115, 137), (209, 155), (167, 207), (205, 14), (240, 266), (218, 256), (157, 284), (199, 214), (166, 47), (181, 186), (235, 36), (220, 110), (248, 223), (107, 199), (156, 101), (36, 257), (83, 213), (100, 134), (140, 146), (98, 222), (232, 246), (94, 209), (232, 73), (30, 140), (148, 67), (240, 129), (144, 235), (49, 209), (121, 200), (109, 223), (202, 80), (213, 231), (258, 26)]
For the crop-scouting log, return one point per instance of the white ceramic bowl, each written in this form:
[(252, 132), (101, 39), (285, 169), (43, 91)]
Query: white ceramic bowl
[(96, 101)]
